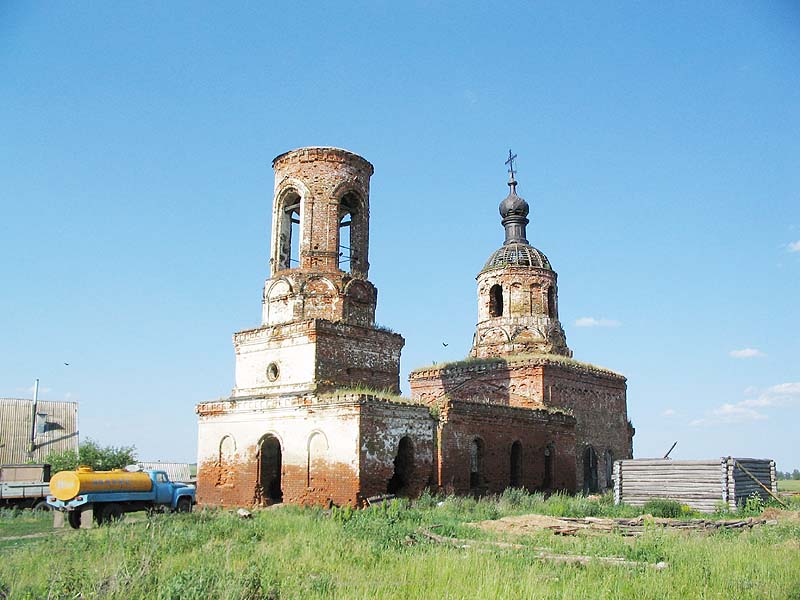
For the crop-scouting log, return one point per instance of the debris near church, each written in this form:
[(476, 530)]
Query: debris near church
[(540, 553), (703, 485), (569, 526), (315, 416)]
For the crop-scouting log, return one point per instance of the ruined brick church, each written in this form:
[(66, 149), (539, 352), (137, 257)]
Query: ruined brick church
[(315, 416)]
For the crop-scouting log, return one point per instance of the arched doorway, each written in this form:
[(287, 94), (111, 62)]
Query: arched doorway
[(590, 470), (269, 470), (515, 480), (403, 468)]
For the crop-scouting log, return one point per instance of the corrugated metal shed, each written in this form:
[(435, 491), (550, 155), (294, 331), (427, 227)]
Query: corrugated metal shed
[(179, 472), (55, 427)]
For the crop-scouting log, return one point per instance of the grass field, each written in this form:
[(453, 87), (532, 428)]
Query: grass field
[(291, 552), (789, 485)]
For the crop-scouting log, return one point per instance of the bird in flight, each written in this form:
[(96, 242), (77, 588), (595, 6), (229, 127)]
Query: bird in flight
[(67, 364), (445, 345)]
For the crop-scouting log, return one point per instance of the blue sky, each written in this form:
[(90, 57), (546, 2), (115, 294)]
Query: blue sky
[(658, 144)]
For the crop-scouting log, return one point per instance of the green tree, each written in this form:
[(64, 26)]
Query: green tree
[(92, 454), (795, 474)]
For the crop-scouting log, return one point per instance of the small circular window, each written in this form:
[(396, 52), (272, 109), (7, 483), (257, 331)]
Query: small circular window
[(272, 371)]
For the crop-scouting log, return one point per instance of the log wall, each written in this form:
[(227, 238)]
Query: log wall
[(701, 484)]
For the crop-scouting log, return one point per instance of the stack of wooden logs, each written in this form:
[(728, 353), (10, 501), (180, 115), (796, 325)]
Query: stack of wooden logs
[(703, 485), (634, 527)]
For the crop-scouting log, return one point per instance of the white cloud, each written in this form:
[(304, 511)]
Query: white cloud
[(783, 394), (793, 246), (777, 396), (728, 414), (592, 322), (668, 413), (746, 353)]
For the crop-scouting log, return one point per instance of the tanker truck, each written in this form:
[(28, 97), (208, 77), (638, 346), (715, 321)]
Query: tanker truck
[(86, 496)]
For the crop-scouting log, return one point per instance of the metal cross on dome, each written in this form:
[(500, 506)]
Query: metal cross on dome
[(510, 162)]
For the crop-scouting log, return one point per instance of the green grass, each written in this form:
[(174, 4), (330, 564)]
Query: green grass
[(291, 552), (789, 485), (17, 523)]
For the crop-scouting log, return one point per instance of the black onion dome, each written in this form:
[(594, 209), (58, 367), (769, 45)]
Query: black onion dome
[(514, 205), (517, 255)]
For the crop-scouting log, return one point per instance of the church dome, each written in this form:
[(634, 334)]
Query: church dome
[(513, 204), (517, 255)]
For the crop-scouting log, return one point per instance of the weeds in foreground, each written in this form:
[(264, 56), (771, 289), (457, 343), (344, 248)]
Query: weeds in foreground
[(378, 553)]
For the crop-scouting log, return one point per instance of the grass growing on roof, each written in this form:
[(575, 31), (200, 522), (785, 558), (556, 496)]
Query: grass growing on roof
[(368, 391), (471, 361)]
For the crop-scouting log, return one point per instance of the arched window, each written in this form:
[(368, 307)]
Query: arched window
[(496, 301), (476, 452), (551, 302), (519, 304), (289, 231), (516, 465), (549, 458), (227, 451), (317, 447), (590, 471)]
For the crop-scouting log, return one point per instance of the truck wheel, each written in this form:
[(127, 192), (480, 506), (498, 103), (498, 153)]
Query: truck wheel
[(42, 505), (111, 513), (184, 504), (74, 519)]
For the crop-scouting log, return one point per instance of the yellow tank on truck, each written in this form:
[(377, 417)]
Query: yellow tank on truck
[(65, 485)]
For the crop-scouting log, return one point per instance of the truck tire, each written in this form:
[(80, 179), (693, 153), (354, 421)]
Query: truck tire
[(74, 519), (184, 505), (42, 505), (110, 513)]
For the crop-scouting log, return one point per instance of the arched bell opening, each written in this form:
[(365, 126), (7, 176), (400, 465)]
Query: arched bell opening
[(496, 301), (288, 233)]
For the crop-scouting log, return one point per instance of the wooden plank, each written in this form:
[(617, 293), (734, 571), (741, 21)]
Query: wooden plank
[(671, 469), (670, 465), (715, 487), (659, 461), (667, 482)]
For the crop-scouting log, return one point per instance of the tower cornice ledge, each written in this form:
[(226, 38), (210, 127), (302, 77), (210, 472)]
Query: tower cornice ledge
[(310, 326), (475, 365)]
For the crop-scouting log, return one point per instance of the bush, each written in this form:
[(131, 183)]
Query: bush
[(100, 458), (667, 509), (753, 506)]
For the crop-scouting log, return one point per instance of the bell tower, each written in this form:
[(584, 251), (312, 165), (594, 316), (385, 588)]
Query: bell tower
[(517, 291), (318, 307)]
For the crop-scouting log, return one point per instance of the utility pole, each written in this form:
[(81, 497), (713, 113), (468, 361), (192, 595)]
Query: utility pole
[(32, 445)]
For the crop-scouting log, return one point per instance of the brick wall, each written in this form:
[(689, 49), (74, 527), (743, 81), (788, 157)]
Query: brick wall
[(383, 426), (318, 440), (599, 404), (498, 428), (595, 396)]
